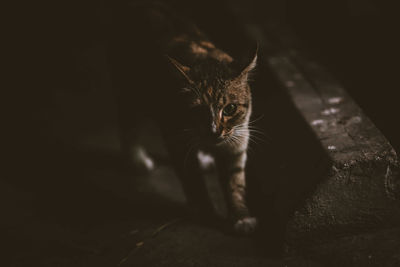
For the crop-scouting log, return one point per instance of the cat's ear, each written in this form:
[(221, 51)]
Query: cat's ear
[(184, 70), (244, 75)]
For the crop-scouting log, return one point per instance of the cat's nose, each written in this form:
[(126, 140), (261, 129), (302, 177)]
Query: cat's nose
[(215, 133)]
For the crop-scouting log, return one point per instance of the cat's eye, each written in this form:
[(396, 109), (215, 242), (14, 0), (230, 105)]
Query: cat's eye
[(229, 110)]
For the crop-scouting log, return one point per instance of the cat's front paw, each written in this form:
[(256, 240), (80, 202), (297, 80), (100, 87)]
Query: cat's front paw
[(245, 225), (141, 161)]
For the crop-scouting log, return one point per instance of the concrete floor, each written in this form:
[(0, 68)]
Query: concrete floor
[(70, 202)]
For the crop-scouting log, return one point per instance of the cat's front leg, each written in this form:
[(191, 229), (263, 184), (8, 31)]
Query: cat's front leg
[(130, 126), (231, 168), (188, 169)]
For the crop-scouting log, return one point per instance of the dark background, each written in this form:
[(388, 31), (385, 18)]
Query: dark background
[(64, 176), (356, 40)]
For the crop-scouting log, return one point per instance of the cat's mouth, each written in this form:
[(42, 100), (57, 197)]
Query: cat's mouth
[(220, 141), (214, 140), (217, 139), (223, 139)]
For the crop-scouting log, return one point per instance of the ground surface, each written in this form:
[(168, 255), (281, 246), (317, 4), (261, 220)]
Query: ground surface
[(72, 203)]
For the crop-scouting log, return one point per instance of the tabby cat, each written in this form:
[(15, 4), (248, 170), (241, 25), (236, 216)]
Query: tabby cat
[(166, 69)]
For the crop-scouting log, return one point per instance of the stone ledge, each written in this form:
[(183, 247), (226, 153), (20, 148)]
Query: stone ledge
[(362, 188)]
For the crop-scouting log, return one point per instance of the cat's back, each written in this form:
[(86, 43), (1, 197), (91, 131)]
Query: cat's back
[(142, 35), (149, 26), (151, 30)]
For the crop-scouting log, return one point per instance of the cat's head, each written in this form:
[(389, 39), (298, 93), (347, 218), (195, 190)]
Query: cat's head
[(218, 100)]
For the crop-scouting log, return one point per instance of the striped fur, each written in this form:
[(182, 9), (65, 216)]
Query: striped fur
[(208, 107)]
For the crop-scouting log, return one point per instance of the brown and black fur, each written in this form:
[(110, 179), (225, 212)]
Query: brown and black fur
[(166, 69)]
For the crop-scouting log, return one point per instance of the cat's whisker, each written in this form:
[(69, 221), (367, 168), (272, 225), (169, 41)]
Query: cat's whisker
[(254, 131), (263, 135), (256, 119), (189, 120), (254, 141), (234, 141), (195, 90), (259, 136), (251, 135)]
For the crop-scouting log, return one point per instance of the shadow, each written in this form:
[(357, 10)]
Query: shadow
[(284, 167), (286, 161), (71, 202)]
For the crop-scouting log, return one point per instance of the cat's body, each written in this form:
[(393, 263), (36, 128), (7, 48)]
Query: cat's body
[(165, 69)]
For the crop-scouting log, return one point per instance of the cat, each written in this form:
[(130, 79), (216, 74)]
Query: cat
[(166, 69)]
